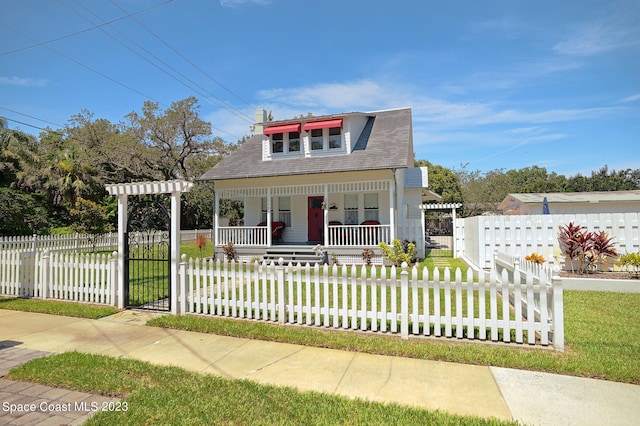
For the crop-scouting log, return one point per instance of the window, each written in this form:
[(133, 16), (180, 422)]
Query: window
[(317, 141), (351, 209), (335, 138), (284, 210), (277, 142), (294, 142), (371, 207)]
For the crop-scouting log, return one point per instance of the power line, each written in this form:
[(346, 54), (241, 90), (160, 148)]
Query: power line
[(221, 103), (43, 43), (177, 52), (31, 125), (30, 116), (83, 65)]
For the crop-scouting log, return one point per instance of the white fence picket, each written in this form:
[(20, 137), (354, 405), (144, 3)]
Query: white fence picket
[(361, 299)]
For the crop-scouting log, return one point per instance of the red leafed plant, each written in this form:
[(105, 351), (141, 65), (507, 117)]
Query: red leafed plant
[(602, 247), (589, 249)]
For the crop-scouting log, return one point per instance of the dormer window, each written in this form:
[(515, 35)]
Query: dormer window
[(277, 143), (294, 142), (317, 140), (335, 138)]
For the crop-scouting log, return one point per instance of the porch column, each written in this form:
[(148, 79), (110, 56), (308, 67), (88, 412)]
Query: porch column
[(392, 209), (122, 229), (269, 217), (175, 250), (325, 212), (216, 218), (423, 242)]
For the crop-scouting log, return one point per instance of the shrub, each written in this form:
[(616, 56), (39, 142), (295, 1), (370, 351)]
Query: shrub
[(230, 251), (631, 263), (535, 258), (589, 249), (367, 255), (399, 253)]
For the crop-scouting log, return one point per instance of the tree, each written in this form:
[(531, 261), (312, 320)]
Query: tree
[(90, 218), (175, 136), (443, 182)]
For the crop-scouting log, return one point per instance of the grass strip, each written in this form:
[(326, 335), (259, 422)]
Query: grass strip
[(171, 395), (55, 307), (601, 335)]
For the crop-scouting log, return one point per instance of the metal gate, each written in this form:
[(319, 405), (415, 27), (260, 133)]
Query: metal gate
[(147, 256)]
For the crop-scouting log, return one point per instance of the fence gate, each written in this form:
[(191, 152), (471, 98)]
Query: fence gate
[(147, 255), (439, 227)]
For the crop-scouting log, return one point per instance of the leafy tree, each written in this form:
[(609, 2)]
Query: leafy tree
[(90, 218), (443, 182), (175, 136)]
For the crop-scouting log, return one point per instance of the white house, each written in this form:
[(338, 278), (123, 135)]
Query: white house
[(572, 202), (342, 181)]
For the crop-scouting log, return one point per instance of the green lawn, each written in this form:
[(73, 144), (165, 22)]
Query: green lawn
[(168, 395)]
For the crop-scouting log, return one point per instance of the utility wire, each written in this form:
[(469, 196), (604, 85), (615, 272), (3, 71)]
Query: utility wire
[(31, 125), (221, 103), (69, 58), (177, 52), (44, 43), (30, 116)]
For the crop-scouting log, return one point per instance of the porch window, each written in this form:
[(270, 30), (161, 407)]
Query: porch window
[(317, 141), (284, 210), (371, 206), (335, 138), (351, 209), (277, 142)]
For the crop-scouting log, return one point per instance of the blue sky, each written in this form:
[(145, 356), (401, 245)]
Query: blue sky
[(492, 84)]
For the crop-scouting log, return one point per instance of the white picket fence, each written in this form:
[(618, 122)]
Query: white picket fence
[(60, 242), (59, 275), (357, 299)]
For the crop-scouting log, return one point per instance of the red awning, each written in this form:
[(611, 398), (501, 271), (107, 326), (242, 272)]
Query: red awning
[(323, 124), (282, 129)]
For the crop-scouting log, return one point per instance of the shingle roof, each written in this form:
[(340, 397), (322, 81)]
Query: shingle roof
[(389, 145), (572, 197)]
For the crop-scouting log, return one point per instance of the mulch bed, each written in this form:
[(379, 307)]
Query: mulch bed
[(599, 275)]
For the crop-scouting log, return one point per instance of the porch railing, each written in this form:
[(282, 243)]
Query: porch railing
[(359, 235), (243, 235)]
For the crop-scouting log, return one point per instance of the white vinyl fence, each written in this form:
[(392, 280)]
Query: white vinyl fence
[(478, 237), (59, 275), (358, 299)]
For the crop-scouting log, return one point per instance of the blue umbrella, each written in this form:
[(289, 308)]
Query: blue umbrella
[(545, 206)]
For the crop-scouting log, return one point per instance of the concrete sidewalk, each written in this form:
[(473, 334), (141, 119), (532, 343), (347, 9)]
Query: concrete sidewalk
[(529, 397)]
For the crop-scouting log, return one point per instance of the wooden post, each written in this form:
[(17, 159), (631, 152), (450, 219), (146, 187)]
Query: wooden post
[(45, 274), (182, 288)]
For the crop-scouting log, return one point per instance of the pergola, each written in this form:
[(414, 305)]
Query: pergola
[(442, 207), (122, 191)]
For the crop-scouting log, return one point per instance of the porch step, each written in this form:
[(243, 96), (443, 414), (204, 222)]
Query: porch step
[(294, 255)]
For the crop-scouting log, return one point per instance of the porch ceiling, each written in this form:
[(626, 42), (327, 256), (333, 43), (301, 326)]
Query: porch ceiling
[(364, 186)]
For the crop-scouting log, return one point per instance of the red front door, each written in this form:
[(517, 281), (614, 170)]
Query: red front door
[(315, 219)]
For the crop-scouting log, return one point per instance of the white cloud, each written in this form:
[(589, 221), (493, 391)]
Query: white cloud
[(612, 32), (632, 98), (22, 81)]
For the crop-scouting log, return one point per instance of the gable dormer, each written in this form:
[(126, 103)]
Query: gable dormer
[(312, 136)]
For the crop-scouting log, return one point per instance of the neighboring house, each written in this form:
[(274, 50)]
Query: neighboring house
[(572, 202), (341, 181)]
